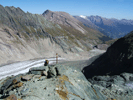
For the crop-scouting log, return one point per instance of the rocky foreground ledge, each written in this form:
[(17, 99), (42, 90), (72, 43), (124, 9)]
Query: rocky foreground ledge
[(65, 81), (55, 82)]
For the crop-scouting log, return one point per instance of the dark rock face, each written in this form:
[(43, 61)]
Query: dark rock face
[(116, 60)]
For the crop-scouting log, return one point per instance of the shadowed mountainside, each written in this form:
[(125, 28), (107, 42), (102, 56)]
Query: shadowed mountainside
[(118, 59), (112, 72)]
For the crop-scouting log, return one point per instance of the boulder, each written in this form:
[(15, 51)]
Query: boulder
[(27, 77), (45, 73), (38, 70), (52, 72), (48, 71)]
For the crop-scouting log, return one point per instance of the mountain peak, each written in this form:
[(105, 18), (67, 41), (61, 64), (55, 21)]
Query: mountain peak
[(47, 11)]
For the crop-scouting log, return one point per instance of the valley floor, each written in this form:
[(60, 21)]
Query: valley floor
[(24, 66)]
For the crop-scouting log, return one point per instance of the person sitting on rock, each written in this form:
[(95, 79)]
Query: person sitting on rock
[(46, 62)]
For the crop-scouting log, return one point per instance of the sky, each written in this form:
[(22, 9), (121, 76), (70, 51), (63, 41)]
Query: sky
[(119, 9)]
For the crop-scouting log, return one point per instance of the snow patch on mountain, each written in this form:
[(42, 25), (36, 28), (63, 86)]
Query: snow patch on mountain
[(82, 16)]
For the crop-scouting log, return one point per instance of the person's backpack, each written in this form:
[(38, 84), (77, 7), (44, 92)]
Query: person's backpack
[(46, 62)]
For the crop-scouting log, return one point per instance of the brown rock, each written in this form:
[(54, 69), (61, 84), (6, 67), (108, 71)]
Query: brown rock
[(18, 85), (11, 97), (14, 81)]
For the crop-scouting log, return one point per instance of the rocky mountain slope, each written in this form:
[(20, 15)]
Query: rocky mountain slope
[(113, 28), (113, 71), (65, 19), (27, 36), (72, 25)]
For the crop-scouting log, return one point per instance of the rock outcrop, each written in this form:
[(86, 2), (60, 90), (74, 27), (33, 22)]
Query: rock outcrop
[(69, 83)]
